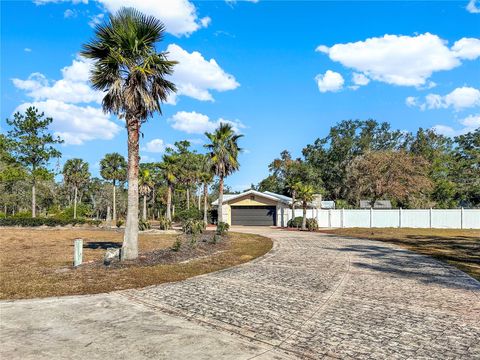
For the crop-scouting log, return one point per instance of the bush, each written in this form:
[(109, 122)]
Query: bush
[(190, 214), (312, 225), (143, 225), (193, 227), (119, 223), (22, 215), (295, 222), (82, 211), (176, 245), (165, 224), (39, 221), (222, 228)]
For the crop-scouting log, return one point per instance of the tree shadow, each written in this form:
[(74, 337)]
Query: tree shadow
[(408, 264), (102, 245)]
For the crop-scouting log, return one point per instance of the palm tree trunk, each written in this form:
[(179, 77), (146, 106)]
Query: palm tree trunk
[(114, 203), (144, 215), (205, 203), (220, 199), (188, 198), (130, 239), (169, 202), (304, 221), (34, 205), (75, 190)]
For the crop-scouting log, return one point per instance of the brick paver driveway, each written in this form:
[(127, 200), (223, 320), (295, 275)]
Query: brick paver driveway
[(318, 296)]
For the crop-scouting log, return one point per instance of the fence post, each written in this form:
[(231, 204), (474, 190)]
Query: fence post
[(400, 218), (430, 218), (371, 216), (343, 218), (329, 218), (461, 218), (77, 252)]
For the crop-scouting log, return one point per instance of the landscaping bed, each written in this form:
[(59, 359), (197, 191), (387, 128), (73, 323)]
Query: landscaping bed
[(460, 248), (38, 262)]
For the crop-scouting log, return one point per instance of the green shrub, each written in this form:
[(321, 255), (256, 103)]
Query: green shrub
[(23, 215), (295, 222), (193, 227), (143, 225), (83, 211), (119, 223), (222, 228), (165, 224), (177, 244), (40, 221), (190, 214), (312, 224)]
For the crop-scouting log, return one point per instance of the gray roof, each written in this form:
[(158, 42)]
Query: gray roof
[(379, 204)]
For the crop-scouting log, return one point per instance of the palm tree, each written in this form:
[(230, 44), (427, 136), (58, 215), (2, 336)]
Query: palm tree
[(113, 167), (205, 177), (223, 152), (306, 194), (145, 186), (169, 167), (75, 174), (127, 66)]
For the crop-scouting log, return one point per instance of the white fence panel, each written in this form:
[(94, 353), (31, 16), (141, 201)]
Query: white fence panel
[(416, 218), (356, 218), (471, 219), (447, 218), (385, 218)]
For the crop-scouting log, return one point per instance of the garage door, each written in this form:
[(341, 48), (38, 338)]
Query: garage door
[(254, 215)]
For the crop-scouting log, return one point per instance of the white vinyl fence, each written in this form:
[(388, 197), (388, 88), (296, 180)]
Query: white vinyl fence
[(381, 218)]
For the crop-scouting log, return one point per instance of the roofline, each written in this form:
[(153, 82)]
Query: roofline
[(255, 192)]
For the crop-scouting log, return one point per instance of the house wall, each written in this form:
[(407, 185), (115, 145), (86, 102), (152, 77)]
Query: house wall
[(248, 201)]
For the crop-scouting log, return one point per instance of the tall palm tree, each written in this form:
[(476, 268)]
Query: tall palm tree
[(306, 194), (223, 151), (113, 167), (205, 177), (75, 174), (145, 186), (169, 167), (127, 66)]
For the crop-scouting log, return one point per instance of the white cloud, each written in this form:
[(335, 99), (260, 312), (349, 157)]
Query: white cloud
[(156, 146), (76, 124), (472, 7), (402, 60), (96, 20), (330, 81), (470, 123), (27, 50), (459, 99), (69, 13), (360, 79), (72, 88), (196, 123), (195, 76)]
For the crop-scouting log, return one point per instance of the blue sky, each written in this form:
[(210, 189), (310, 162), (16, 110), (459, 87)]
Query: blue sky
[(281, 72)]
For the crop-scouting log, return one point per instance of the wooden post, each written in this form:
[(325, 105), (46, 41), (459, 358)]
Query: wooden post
[(77, 252)]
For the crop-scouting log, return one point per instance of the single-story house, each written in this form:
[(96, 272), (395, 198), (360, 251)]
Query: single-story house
[(257, 208)]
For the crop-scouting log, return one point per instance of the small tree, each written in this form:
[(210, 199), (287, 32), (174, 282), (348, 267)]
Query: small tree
[(113, 167), (76, 175), (145, 186), (306, 194), (206, 177), (169, 168), (33, 145)]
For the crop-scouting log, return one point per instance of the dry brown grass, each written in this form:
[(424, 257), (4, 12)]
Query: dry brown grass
[(460, 248), (38, 262)]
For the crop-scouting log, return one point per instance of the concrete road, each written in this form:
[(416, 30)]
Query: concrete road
[(312, 296)]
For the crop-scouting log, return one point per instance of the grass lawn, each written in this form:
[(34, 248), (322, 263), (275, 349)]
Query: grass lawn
[(460, 248), (38, 262)]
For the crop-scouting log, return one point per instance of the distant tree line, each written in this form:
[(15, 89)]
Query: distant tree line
[(368, 160)]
